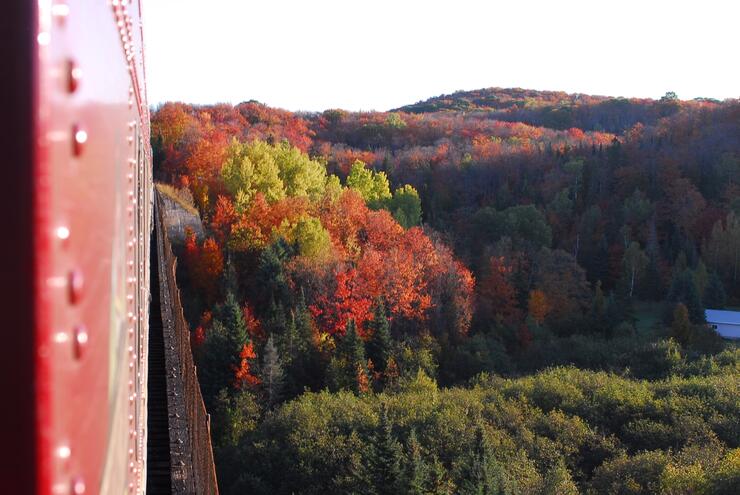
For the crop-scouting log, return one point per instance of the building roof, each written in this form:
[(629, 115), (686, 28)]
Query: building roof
[(721, 316)]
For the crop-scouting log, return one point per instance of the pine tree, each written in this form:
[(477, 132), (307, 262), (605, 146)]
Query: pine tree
[(348, 365), (379, 345), (386, 459), (270, 276), (231, 283), (652, 288), (681, 328), (272, 374), (351, 346), (353, 477), (214, 371), (305, 368), (275, 322), (290, 340), (701, 278), (236, 330), (597, 313), (304, 323), (417, 471), (483, 472), (714, 294), (683, 290)]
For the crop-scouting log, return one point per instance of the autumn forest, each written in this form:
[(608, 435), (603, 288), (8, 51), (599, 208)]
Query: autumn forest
[(498, 291)]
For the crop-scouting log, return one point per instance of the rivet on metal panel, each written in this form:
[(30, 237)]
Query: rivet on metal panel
[(64, 452), (79, 138), (78, 486), (80, 341), (43, 38), (76, 286), (60, 11), (74, 76), (62, 232)]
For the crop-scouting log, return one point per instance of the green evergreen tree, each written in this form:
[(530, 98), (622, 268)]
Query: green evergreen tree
[(236, 330), (304, 323), (275, 322), (270, 278), (348, 361), (379, 345), (652, 289), (683, 290), (304, 368), (417, 472), (214, 371), (386, 459), (681, 328), (621, 305), (484, 477), (220, 353), (290, 341), (714, 294), (231, 282), (597, 313), (354, 477)]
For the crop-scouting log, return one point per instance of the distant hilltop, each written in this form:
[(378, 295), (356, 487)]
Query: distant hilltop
[(508, 98), (558, 109)]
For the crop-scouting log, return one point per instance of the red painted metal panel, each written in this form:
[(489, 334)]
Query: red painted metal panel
[(78, 260)]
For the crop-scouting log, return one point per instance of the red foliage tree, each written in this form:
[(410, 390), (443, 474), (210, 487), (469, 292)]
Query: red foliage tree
[(346, 303), (205, 264), (497, 297)]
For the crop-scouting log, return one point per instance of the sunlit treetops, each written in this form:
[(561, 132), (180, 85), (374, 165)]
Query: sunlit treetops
[(360, 241)]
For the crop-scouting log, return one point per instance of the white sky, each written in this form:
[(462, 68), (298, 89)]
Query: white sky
[(381, 54)]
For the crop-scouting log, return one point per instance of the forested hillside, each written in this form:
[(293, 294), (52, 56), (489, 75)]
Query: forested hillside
[(495, 291)]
